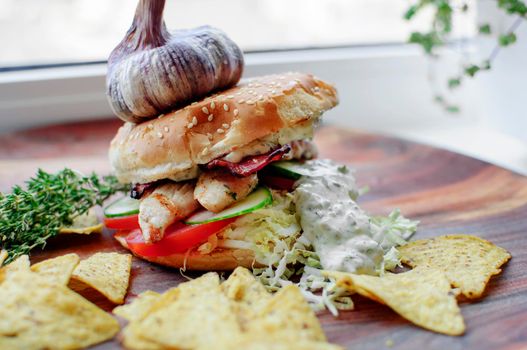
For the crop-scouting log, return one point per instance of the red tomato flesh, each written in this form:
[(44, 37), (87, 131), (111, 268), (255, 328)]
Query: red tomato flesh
[(179, 238), (123, 223)]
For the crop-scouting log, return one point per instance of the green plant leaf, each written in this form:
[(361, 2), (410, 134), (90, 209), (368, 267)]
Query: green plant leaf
[(485, 29), (507, 39), (454, 82)]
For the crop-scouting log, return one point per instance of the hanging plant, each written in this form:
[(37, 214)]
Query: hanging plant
[(441, 29)]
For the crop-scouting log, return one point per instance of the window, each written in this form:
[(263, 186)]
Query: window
[(36, 32)]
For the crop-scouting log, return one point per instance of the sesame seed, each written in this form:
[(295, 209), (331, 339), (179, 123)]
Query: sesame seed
[(251, 91), (236, 112), (225, 107), (225, 125), (273, 91), (241, 101), (250, 102), (150, 126), (261, 97), (193, 103), (220, 131), (205, 110), (161, 116), (165, 128), (190, 125), (211, 117), (160, 135), (209, 136), (212, 105), (205, 150), (194, 120), (238, 93)]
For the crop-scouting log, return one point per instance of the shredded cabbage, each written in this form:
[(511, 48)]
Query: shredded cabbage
[(275, 235)]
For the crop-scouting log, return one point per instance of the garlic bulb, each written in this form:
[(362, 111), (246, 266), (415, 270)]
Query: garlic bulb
[(152, 71)]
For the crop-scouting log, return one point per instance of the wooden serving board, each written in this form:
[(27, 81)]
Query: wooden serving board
[(448, 192)]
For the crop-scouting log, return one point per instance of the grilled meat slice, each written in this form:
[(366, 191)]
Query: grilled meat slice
[(165, 205), (218, 189)]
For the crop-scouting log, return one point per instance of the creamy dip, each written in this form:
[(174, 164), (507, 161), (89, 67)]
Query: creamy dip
[(342, 234)]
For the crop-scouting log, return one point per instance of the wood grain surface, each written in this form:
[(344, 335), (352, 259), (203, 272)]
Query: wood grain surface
[(448, 192)]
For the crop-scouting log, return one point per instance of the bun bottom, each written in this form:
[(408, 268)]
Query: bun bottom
[(220, 259)]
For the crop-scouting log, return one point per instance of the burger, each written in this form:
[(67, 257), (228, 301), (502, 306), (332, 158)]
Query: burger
[(210, 181)]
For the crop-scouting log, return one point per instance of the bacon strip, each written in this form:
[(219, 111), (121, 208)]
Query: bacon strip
[(138, 190), (251, 164)]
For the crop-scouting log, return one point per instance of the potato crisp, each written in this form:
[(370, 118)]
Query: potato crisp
[(468, 261)]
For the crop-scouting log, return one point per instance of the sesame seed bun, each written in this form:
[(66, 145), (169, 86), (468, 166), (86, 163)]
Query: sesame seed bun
[(255, 116)]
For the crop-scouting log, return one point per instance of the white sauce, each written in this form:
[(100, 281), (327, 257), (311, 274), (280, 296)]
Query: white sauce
[(339, 230)]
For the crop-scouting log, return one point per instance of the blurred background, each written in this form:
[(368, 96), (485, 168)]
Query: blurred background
[(52, 63)]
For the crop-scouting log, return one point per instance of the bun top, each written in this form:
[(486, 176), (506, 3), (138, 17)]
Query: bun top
[(255, 116)]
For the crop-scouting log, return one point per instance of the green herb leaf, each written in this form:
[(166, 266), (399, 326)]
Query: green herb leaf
[(30, 216)]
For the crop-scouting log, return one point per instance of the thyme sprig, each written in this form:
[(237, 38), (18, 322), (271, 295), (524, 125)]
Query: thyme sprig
[(32, 214)]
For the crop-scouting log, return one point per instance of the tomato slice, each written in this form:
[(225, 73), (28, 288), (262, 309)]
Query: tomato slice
[(179, 238), (123, 223), (278, 182)]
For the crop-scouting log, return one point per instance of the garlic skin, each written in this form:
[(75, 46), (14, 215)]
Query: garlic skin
[(153, 71)]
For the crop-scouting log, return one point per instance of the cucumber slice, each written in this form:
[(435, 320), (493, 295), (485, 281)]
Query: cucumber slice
[(256, 200), (122, 207), (290, 169)]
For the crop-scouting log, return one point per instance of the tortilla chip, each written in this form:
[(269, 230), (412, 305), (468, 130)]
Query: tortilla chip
[(468, 261), (248, 295), (199, 317), (57, 270), (37, 314), (84, 224), (288, 317), (108, 273), (422, 296), (139, 307), (131, 338), (19, 264), (3, 256)]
